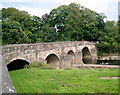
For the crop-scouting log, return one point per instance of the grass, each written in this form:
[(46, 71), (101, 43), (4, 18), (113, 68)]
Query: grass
[(35, 80)]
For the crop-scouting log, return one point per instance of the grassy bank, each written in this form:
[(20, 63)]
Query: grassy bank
[(35, 80)]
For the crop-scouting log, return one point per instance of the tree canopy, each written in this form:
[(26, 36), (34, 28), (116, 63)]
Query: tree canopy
[(71, 22)]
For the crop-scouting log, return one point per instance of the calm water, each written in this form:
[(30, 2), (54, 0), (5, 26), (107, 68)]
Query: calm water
[(108, 62)]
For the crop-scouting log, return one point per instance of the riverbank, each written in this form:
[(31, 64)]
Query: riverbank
[(86, 80), (109, 57)]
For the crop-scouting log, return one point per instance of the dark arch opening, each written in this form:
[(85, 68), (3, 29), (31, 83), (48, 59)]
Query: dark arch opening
[(53, 60), (17, 64), (71, 53), (71, 56), (86, 56)]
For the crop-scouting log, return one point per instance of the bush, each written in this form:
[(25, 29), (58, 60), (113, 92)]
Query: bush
[(40, 65), (49, 67)]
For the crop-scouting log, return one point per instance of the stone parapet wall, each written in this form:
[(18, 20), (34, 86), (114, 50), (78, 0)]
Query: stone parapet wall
[(45, 52), (38, 52)]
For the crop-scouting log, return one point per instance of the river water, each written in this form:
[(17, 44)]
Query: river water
[(108, 62)]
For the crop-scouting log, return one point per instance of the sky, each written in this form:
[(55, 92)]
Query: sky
[(40, 7)]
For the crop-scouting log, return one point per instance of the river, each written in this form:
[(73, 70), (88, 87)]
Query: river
[(108, 62)]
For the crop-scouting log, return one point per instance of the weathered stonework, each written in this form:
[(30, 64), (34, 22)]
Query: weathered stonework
[(54, 52), (59, 54)]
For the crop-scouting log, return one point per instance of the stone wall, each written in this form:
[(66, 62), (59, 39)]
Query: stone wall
[(38, 52)]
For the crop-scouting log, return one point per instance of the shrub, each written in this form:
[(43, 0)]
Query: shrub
[(49, 67), (40, 65)]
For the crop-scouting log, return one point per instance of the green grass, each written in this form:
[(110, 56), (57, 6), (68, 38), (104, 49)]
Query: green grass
[(35, 80)]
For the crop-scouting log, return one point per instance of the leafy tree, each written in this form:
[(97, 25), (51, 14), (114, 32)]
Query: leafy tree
[(75, 22), (12, 33), (48, 34), (29, 26), (109, 38), (71, 22)]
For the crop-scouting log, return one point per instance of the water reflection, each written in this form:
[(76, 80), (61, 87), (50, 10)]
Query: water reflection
[(108, 62)]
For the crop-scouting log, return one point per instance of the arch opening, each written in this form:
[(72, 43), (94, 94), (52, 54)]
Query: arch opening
[(53, 60), (86, 56), (71, 56), (71, 53), (17, 64)]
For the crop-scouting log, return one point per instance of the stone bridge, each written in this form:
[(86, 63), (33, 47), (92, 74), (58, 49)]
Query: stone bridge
[(58, 54)]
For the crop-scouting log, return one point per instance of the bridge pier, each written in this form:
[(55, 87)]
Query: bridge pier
[(66, 61), (78, 58)]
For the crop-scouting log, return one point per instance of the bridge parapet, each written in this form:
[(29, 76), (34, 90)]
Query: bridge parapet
[(17, 47), (40, 51)]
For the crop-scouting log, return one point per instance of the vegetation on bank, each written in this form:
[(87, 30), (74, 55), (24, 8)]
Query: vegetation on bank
[(36, 80), (71, 22)]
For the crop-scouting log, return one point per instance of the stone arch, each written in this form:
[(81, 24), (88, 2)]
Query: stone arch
[(53, 60), (86, 55), (70, 52), (17, 64), (71, 55)]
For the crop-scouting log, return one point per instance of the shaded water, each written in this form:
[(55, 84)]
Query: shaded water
[(108, 62)]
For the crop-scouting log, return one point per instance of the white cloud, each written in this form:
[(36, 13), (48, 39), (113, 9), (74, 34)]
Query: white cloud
[(105, 6), (2, 6), (32, 11), (109, 7), (35, 11)]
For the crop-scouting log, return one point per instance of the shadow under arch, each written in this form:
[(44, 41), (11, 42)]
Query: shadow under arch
[(53, 60), (70, 52), (71, 55), (86, 56), (17, 64)]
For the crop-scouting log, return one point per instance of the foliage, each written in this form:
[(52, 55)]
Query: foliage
[(35, 80), (41, 65), (74, 22), (19, 27), (109, 39), (71, 22), (12, 33)]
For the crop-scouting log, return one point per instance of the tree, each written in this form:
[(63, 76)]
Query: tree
[(75, 22), (71, 22), (109, 38), (30, 26), (12, 33)]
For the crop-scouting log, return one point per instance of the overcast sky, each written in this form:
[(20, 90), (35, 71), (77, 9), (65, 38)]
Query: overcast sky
[(40, 7)]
